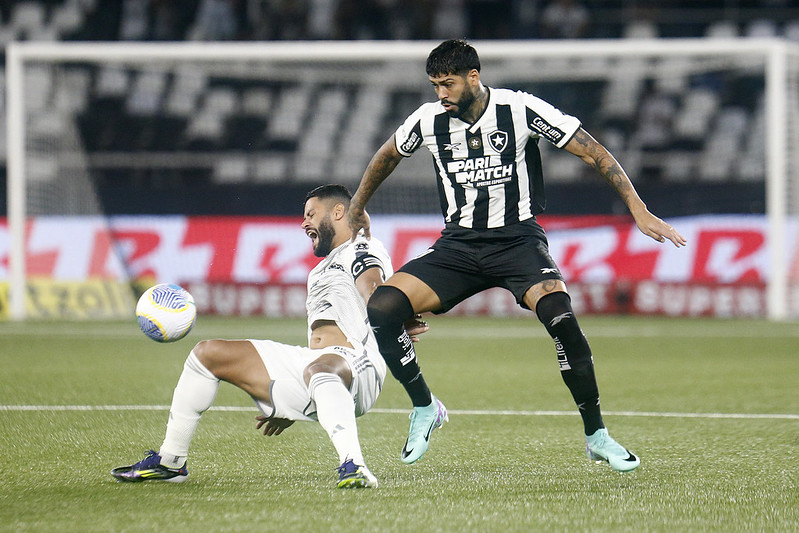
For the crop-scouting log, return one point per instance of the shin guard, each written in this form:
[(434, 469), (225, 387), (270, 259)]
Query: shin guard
[(574, 356), (389, 308)]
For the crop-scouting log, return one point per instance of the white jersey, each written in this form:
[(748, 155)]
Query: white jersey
[(333, 295), (489, 173)]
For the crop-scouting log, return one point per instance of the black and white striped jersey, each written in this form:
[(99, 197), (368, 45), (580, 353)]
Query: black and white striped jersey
[(489, 173)]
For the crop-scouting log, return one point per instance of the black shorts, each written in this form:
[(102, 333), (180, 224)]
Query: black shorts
[(463, 262)]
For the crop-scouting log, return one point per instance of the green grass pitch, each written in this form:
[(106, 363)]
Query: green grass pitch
[(711, 407)]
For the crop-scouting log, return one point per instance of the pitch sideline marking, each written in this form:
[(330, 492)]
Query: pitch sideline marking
[(650, 414)]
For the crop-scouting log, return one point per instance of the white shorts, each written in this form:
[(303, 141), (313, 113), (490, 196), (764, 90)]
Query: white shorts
[(290, 398)]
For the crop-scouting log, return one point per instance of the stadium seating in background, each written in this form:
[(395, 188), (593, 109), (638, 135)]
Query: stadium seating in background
[(665, 121)]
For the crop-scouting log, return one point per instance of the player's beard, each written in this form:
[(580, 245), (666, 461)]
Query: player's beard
[(324, 240), (463, 104)]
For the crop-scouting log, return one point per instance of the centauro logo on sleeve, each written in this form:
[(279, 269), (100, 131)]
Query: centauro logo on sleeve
[(546, 129), (412, 142)]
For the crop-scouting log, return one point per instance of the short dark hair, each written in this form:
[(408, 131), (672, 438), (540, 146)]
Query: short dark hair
[(455, 56), (331, 191)]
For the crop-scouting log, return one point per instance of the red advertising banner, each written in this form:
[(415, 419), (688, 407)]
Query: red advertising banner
[(248, 265)]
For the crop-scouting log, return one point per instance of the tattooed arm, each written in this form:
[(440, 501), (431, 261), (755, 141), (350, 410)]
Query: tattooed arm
[(597, 156), (380, 167)]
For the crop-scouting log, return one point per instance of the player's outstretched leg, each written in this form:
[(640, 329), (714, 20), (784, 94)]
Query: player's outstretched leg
[(601, 447), (151, 469), (194, 394), (424, 420)]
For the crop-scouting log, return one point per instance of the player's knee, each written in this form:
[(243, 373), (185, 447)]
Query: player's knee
[(202, 350), (211, 353), (326, 367), (553, 306), (555, 312), (388, 306), (312, 369)]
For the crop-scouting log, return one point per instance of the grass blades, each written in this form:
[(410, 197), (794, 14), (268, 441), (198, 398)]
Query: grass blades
[(688, 396)]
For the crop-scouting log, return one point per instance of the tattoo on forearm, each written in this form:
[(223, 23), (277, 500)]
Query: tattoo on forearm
[(605, 164), (382, 165), (611, 171), (377, 171), (583, 138)]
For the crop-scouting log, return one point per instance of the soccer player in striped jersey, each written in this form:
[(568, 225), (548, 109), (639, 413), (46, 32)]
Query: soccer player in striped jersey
[(334, 380), (484, 143)]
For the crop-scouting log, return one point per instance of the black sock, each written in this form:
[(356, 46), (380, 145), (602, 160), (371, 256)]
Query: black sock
[(574, 356), (418, 391), (582, 384), (389, 309)]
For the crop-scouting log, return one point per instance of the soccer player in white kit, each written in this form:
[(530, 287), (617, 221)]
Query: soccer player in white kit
[(335, 379)]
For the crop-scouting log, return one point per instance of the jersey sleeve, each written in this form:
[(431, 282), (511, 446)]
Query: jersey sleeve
[(370, 254), (547, 121), (408, 137)]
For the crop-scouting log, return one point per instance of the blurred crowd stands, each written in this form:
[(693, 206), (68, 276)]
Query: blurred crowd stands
[(671, 127), (214, 20)]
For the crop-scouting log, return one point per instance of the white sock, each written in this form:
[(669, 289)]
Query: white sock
[(194, 394), (336, 412)]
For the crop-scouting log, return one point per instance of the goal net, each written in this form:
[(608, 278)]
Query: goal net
[(703, 127)]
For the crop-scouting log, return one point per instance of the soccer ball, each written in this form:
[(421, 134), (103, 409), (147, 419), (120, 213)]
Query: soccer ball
[(166, 312)]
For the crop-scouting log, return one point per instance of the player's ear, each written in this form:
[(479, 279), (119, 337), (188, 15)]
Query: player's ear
[(339, 211)]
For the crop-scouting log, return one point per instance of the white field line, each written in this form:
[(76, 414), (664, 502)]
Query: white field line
[(487, 412)]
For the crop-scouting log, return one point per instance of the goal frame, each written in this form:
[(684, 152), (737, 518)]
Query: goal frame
[(775, 54)]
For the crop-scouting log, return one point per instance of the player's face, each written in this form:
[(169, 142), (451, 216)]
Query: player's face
[(324, 240), (319, 227), (454, 93)]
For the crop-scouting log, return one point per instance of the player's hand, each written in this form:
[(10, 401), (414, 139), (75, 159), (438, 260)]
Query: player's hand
[(272, 425), (416, 326), (359, 220), (659, 230)]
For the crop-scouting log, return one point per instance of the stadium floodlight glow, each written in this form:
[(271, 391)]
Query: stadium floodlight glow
[(776, 60)]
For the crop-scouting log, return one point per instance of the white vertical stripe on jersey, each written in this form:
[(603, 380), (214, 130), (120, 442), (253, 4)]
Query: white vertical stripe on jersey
[(496, 206), (449, 191), (523, 176), (525, 194), (457, 139), (467, 213)]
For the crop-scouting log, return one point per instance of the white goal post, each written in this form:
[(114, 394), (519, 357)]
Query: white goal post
[(779, 60)]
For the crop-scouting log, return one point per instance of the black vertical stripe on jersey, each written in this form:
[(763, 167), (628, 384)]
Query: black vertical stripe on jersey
[(442, 198), (532, 157), (441, 133), (480, 213), (508, 157)]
